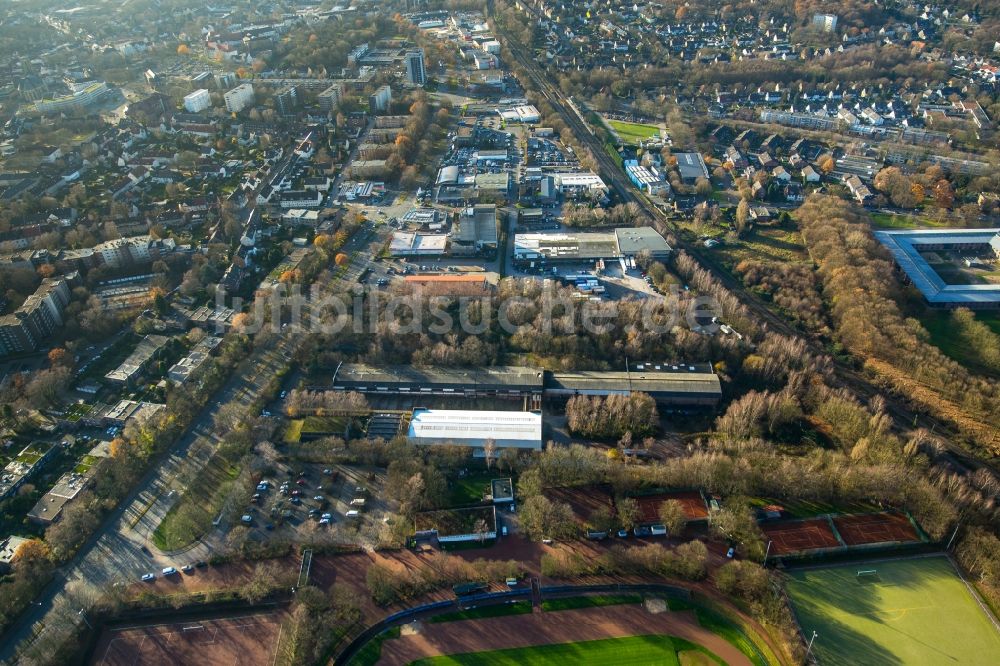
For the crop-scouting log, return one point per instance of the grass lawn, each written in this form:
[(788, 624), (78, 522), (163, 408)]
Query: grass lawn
[(891, 221), (634, 650), (294, 431), (496, 610), (590, 602), (470, 489), (915, 612), (634, 132)]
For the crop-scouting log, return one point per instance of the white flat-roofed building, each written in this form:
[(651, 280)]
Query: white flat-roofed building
[(239, 98), (521, 114), (570, 184), (197, 101), (408, 243), (473, 428)]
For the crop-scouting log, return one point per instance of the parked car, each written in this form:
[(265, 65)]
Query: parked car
[(146, 578), (169, 571), (188, 569)]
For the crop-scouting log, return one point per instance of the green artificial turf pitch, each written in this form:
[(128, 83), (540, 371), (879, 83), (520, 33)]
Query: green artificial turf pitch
[(634, 132), (631, 651), (915, 611)]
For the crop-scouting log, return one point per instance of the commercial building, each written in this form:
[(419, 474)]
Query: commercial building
[(589, 246), (197, 101), (415, 71), (577, 184), (691, 166), (524, 113), (491, 381), (907, 246), (239, 98), (682, 385), (475, 428), (669, 384), (476, 232), (648, 180), (412, 244)]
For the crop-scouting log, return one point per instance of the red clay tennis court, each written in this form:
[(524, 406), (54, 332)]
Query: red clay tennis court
[(249, 640), (800, 535), (649, 506), (860, 529)]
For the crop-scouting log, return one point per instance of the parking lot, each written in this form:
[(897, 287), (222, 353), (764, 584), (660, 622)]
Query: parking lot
[(313, 501)]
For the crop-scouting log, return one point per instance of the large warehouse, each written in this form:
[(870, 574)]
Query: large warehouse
[(672, 385), (622, 242), (694, 385), (508, 430), (493, 381)]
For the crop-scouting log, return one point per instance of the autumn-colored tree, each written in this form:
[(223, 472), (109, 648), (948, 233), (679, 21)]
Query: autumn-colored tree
[(46, 270), (183, 49), (827, 164), (241, 321), (342, 259), (118, 447), (944, 195), (59, 356), (32, 550)]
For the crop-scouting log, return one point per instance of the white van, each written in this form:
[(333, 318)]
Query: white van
[(353, 514), (658, 530)]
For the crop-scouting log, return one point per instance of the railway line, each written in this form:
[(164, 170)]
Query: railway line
[(899, 407)]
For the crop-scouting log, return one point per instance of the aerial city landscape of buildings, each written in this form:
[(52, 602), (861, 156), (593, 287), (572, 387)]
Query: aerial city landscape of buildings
[(499, 331)]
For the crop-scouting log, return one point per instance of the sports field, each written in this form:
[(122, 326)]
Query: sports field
[(634, 132), (914, 611), (635, 650), (251, 639)]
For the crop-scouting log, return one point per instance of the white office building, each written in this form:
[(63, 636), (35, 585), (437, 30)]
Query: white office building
[(239, 98), (197, 101)]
